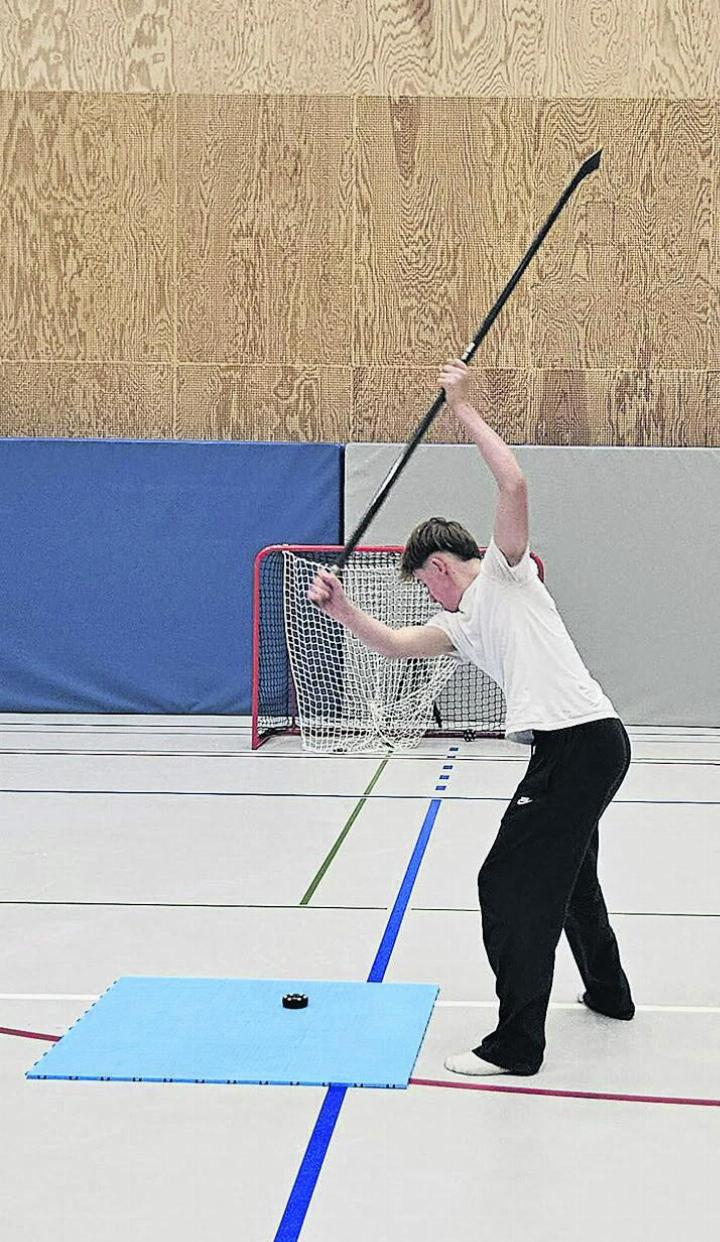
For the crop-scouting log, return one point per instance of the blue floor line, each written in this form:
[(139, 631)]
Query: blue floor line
[(317, 1148), (303, 1189), (387, 944)]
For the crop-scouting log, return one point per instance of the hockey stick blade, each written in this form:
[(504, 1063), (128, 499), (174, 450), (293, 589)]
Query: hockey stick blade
[(589, 166)]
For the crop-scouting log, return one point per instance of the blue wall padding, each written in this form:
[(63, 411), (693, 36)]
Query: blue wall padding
[(126, 566)]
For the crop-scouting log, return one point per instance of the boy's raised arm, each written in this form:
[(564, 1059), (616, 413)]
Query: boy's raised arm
[(511, 516)]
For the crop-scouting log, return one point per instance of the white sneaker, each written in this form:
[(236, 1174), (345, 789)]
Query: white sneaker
[(471, 1063)]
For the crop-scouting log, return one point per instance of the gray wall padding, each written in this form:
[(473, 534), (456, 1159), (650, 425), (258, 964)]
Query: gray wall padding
[(630, 539)]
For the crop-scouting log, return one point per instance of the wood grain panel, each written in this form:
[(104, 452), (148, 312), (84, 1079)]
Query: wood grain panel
[(640, 408), (86, 216), (714, 303), (378, 47), (85, 399), (682, 49), (263, 403), (648, 49), (265, 213), (263, 47), (453, 48), (149, 44), (85, 45), (539, 48), (388, 403), (683, 225), (591, 48), (626, 282), (443, 217)]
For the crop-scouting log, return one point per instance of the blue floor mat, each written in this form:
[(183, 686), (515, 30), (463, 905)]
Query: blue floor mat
[(237, 1031)]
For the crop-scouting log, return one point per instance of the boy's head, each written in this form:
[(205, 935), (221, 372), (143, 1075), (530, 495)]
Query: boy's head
[(442, 555)]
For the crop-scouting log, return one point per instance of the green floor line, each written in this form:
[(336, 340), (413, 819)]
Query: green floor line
[(344, 833)]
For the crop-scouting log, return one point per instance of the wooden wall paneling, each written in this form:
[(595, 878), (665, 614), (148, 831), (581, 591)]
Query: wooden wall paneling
[(388, 403), (540, 48), (591, 48), (566, 406), (662, 409), (376, 47), (588, 262), (612, 49), (263, 403), (626, 284), (264, 229), (714, 292), (149, 34), (681, 231), (85, 45), (263, 47), (86, 216), (611, 407), (455, 48), (443, 217), (682, 49), (86, 399)]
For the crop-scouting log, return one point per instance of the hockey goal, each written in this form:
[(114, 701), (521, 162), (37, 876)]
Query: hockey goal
[(311, 676)]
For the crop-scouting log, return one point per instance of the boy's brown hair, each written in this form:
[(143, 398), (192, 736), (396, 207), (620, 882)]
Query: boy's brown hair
[(436, 535)]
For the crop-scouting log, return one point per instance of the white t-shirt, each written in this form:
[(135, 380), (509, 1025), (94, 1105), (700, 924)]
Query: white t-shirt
[(507, 624)]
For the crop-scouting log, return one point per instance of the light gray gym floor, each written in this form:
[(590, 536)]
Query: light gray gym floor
[(164, 846)]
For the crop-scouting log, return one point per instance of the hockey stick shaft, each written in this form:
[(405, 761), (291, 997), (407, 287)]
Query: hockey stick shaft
[(590, 165)]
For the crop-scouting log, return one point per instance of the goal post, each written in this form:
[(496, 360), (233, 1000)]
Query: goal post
[(313, 677)]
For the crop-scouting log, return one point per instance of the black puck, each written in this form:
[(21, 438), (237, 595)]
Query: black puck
[(295, 1000)]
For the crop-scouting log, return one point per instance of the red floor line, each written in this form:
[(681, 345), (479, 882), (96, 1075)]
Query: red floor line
[(564, 1095), (9, 1030), (471, 1086)]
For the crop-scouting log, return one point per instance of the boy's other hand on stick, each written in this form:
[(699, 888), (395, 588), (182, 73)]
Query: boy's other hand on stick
[(327, 592)]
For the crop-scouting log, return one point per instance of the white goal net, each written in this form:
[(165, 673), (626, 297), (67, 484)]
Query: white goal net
[(311, 676), (350, 698)]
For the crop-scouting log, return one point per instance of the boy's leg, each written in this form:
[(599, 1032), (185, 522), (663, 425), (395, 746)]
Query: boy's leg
[(593, 942), (529, 875), (523, 888)]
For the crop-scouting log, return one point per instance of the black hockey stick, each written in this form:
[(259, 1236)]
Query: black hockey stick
[(591, 165)]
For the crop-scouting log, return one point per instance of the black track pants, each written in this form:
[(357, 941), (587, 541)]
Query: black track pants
[(540, 877)]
